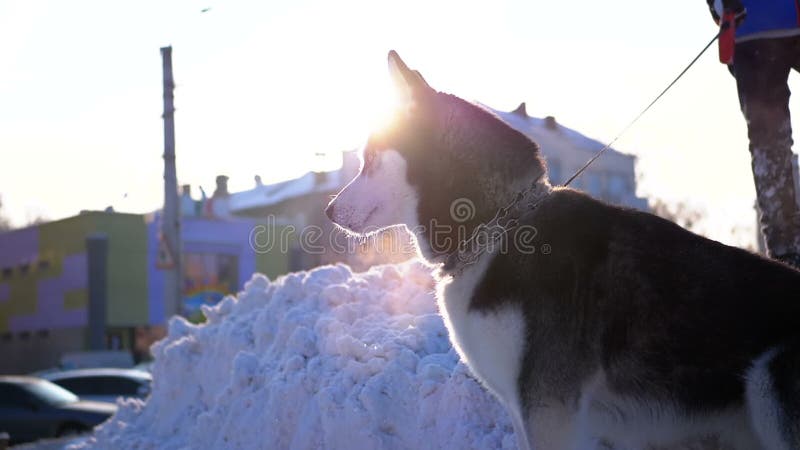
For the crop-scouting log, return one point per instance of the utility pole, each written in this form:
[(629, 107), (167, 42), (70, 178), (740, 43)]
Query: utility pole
[(171, 221)]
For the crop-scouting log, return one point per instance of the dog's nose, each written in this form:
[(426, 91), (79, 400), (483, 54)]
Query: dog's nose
[(329, 211)]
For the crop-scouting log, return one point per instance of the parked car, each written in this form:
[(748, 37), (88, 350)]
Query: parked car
[(32, 408), (96, 358), (145, 366), (103, 385)]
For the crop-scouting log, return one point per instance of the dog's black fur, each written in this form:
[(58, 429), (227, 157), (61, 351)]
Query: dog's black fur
[(663, 311)]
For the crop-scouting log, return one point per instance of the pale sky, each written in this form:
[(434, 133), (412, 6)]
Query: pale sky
[(264, 86)]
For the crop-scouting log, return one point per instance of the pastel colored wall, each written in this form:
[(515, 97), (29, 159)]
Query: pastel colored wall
[(43, 269), (43, 272)]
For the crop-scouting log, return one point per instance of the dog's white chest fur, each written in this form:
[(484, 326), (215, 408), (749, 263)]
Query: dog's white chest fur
[(490, 343)]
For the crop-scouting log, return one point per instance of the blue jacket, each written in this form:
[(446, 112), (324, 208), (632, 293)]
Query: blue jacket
[(765, 18)]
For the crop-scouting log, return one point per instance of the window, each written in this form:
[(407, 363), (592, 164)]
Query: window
[(12, 396), (79, 386), (118, 386), (594, 182), (50, 393), (101, 385), (554, 168), (207, 278), (617, 185)]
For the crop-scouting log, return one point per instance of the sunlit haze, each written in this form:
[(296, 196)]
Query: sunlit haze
[(280, 88)]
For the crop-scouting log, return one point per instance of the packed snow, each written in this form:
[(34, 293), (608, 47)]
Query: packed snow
[(326, 359)]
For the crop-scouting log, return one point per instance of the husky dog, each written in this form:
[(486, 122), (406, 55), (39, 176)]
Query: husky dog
[(618, 327)]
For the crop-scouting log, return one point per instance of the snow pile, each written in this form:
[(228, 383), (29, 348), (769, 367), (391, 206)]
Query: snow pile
[(326, 359)]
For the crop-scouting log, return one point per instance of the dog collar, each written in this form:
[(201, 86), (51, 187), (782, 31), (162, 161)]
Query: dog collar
[(486, 235)]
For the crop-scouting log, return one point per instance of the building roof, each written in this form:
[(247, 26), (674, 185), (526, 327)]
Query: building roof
[(568, 150), (271, 194), (559, 141)]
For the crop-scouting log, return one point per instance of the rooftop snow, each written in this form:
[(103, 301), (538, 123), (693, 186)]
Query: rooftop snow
[(272, 194), (554, 140)]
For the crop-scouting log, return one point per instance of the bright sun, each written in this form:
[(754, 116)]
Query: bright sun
[(347, 115)]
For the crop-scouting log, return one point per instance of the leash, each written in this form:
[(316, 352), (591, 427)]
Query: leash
[(658, 97)]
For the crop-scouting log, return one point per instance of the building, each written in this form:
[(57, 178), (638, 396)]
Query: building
[(44, 285), (47, 272), (611, 177), (294, 214)]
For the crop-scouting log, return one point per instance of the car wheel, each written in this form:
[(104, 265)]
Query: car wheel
[(71, 429)]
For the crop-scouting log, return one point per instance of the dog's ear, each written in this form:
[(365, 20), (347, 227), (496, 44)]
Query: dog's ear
[(409, 83)]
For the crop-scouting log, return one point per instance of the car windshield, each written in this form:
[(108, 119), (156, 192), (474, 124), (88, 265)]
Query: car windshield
[(51, 393)]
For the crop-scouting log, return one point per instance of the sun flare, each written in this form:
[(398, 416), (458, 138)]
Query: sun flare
[(383, 108)]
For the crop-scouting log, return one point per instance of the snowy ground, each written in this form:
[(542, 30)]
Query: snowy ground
[(326, 359)]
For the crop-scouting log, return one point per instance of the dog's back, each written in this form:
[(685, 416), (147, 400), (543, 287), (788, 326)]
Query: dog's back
[(653, 318)]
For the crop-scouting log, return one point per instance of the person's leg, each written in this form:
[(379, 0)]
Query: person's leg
[(761, 68)]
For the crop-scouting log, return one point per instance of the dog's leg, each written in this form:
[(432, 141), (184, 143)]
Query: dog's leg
[(554, 427), (773, 398)]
